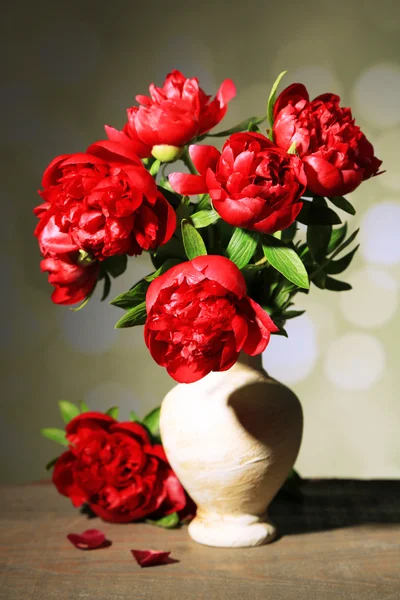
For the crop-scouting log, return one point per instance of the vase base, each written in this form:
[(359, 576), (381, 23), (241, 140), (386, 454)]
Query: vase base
[(242, 531)]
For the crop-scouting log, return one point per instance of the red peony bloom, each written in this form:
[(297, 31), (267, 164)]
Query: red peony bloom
[(73, 281), (104, 207), (199, 319), (114, 468), (336, 154), (252, 183), (177, 112)]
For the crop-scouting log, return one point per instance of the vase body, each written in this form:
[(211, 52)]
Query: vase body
[(232, 438)]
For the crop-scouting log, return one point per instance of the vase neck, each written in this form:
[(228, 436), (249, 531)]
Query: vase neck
[(251, 361)]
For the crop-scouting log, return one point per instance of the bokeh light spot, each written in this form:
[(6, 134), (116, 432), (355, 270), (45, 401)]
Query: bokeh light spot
[(355, 361), (373, 301), (377, 95), (379, 235), (292, 359)]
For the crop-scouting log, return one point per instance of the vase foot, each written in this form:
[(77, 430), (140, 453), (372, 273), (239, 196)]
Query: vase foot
[(242, 531)]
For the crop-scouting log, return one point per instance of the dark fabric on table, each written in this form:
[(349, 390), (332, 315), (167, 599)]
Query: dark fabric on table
[(325, 504)]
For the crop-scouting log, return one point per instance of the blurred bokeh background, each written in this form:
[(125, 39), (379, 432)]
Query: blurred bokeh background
[(68, 68)]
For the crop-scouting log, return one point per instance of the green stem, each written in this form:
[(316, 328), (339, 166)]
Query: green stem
[(188, 161), (262, 261)]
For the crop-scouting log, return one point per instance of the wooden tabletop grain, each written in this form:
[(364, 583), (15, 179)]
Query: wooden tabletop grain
[(341, 540)]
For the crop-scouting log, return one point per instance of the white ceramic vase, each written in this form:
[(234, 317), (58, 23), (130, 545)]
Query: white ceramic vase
[(232, 439)]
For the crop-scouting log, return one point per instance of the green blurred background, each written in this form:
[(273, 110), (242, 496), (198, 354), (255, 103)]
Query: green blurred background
[(70, 67)]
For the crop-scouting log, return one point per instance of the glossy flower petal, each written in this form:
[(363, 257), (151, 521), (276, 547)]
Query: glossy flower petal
[(199, 318), (152, 558), (114, 469), (337, 156), (252, 183), (90, 539), (177, 112)]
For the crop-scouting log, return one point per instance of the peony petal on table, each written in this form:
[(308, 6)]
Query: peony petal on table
[(152, 558), (89, 539)]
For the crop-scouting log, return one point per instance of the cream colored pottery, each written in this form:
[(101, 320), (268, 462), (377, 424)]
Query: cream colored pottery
[(232, 438)]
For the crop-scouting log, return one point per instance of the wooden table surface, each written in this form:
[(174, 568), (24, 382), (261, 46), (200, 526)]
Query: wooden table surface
[(341, 541)]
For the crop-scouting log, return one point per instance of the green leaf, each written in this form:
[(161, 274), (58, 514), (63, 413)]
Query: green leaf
[(289, 233), (155, 167), (169, 263), (113, 412), (68, 410), (169, 522), (133, 417), (152, 422), (116, 265), (318, 278), (135, 316), (107, 286), (318, 237), (291, 314), (337, 236), (336, 286), (345, 243), (54, 434), (172, 249), (165, 186), (192, 241), (281, 331), (272, 98), (317, 214), (242, 246), (335, 267), (285, 260), (292, 148), (51, 463), (343, 204), (243, 126), (133, 297), (83, 407), (253, 127), (203, 218), (205, 202)]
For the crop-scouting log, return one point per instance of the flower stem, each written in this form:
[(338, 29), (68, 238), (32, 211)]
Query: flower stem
[(188, 161)]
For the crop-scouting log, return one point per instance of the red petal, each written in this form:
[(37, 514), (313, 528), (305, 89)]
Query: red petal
[(223, 271), (89, 419), (204, 157), (114, 151), (226, 92), (63, 479), (280, 219), (325, 179), (151, 558), (187, 185), (185, 373), (135, 429), (89, 540), (293, 93)]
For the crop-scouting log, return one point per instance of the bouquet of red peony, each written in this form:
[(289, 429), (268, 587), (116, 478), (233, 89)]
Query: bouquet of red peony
[(222, 234)]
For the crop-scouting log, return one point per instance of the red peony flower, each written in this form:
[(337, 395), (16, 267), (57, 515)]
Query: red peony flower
[(114, 468), (105, 205), (199, 319), (177, 112), (336, 154), (252, 183), (73, 281)]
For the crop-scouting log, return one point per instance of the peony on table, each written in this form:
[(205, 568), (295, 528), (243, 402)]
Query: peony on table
[(341, 541)]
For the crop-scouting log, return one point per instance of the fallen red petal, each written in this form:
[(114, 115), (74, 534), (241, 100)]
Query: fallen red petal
[(151, 558), (89, 539)]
